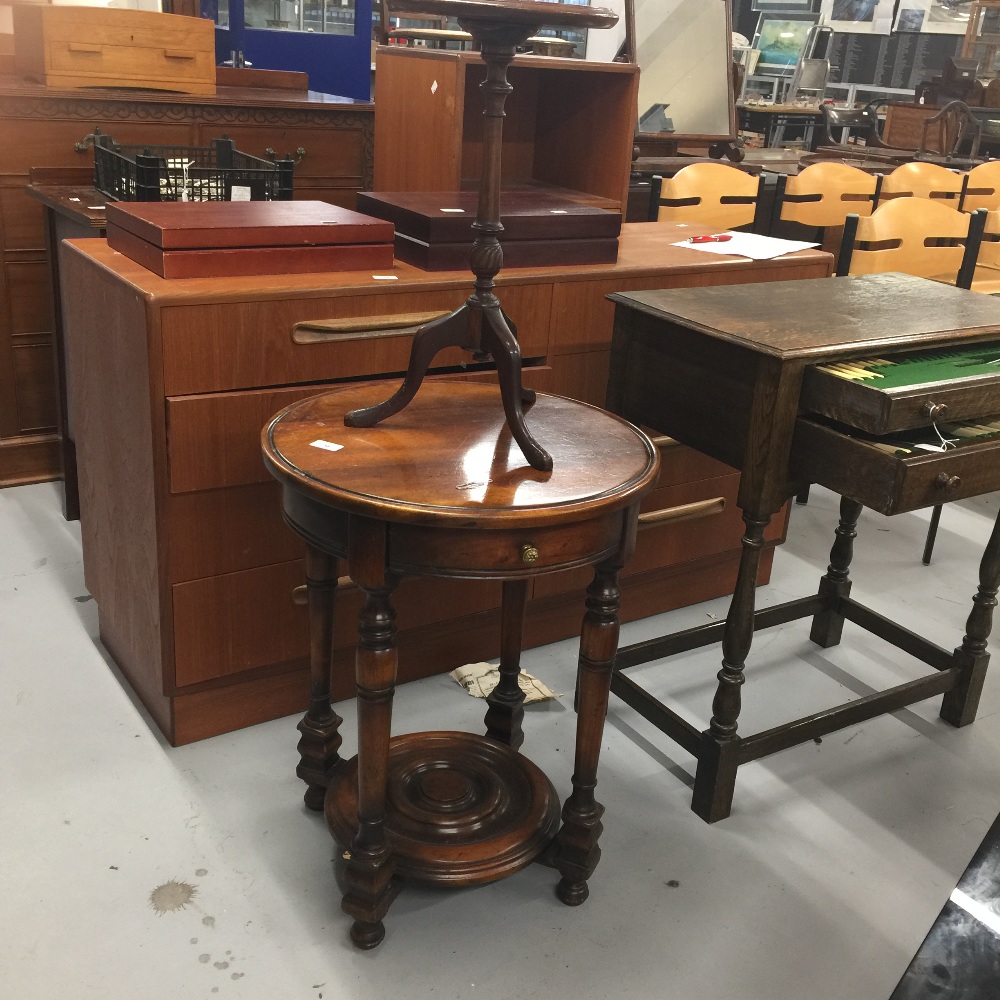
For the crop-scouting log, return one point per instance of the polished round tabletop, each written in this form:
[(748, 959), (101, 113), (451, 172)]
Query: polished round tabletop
[(511, 12), (449, 457)]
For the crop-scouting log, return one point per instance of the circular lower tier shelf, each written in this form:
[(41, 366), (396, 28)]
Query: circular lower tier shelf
[(460, 809)]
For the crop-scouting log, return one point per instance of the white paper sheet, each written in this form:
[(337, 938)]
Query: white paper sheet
[(750, 245), (479, 679)]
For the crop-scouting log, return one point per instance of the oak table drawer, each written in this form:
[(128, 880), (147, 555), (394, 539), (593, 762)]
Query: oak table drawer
[(890, 483)]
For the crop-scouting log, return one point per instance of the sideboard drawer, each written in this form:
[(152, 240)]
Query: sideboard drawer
[(219, 346), (239, 622)]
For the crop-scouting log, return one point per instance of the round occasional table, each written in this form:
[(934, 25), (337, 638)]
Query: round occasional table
[(442, 489)]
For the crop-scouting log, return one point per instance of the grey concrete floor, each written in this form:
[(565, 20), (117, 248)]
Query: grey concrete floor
[(820, 886)]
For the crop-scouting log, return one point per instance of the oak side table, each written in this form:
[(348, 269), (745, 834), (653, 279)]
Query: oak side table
[(413, 497)]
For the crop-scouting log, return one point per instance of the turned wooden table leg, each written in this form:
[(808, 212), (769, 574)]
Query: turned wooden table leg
[(369, 874), (320, 741), (962, 701), (577, 851), (718, 754), (505, 715), (828, 624)]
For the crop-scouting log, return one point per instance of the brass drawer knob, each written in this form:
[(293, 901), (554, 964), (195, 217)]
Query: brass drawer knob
[(945, 482), (936, 411), (529, 554), (300, 595)]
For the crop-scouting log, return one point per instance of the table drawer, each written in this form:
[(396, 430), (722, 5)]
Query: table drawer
[(883, 411), (472, 552), (213, 347), (890, 483)]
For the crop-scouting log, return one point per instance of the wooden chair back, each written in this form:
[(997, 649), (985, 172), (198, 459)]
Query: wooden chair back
[(862, 126), (982, 187), (951, 129), (824, 194), (715, 194), (916, 236), (923, 180), (989, 252)]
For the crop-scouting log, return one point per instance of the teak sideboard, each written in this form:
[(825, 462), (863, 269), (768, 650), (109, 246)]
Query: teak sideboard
[(197, 579), (332, 137)]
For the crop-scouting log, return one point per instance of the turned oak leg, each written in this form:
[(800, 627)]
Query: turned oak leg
[(577, 851), (369, 873), (718, 754), (505, 715), (962, 701), (320, 741), (828, 624)]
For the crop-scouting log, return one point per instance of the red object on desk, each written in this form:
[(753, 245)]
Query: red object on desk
[(720, 238)]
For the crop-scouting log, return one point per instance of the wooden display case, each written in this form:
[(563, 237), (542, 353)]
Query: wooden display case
[(185, 551), (568, 123)]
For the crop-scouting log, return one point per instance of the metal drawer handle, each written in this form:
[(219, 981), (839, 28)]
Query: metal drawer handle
[(935, 411), (85, 47), (684, 512), (945, 482), (300, 154), (322, 331), (529, 554), (300, 594), (177, 54)]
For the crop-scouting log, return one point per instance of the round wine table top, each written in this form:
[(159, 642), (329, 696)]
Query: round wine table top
[(529, 13), (449, 458)]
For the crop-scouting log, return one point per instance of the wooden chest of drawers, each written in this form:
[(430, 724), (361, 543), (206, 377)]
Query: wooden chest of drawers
[(104, 47), (333, 138), (185, 551)]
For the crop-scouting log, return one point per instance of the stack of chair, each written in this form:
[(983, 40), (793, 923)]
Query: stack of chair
[(715, 194)]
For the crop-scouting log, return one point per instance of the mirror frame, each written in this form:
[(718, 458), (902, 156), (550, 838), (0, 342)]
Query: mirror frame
[(657, 141)]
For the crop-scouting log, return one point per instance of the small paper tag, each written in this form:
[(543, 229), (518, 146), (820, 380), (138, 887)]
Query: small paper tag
[(385, 277), (240, 193), (326, 445), (462, 210), (434, 87)]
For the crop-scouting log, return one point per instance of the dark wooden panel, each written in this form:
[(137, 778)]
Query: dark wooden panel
[(30, 302), (34, 382)]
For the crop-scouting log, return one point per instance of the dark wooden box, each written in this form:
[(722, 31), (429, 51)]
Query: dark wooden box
[(541, 227), (213, 239)]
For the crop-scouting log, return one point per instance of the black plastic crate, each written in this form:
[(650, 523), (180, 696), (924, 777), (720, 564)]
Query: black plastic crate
[(205, 173)]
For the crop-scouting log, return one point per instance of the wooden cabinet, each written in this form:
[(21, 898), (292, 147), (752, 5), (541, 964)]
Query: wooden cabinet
[(332, 139), (567, 123), (100, 47), (185, 551)]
